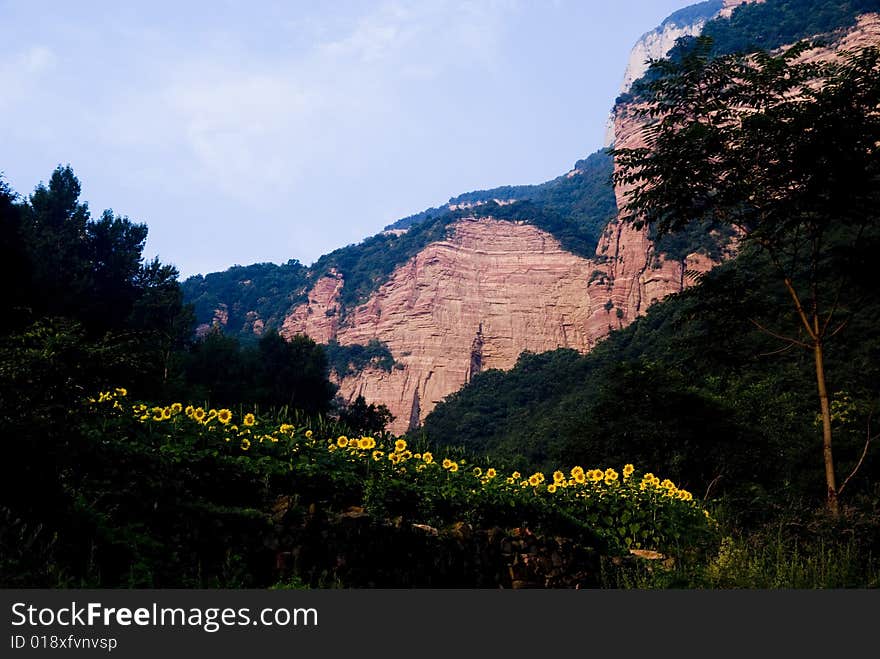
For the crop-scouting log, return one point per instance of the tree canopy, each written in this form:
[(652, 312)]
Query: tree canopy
[(786, 149)]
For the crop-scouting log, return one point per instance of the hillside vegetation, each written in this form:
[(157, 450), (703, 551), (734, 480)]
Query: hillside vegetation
[(765, 26)]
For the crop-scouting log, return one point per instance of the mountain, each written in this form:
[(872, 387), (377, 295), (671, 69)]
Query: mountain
[(456, 290)]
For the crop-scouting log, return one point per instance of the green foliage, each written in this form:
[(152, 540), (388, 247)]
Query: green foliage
[(15, 266), (782, 150), (90, 274), (775, 23), (710, 238), (352, 359), (367, 265), (693, 13), (797, 551), (364, 418), (764, 26), (272, 373), (264, 289)]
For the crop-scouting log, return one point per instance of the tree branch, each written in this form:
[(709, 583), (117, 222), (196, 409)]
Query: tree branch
[(711, 485), (800, 309), (861, 459), (839, 327), (777, 352), (781, 337)]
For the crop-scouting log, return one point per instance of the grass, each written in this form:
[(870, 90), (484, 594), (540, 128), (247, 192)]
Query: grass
[(770, 558)]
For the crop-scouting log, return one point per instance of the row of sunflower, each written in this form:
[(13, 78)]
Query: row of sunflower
[(630, 510)]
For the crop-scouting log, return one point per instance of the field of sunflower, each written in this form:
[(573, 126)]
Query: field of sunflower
[(275, 475)]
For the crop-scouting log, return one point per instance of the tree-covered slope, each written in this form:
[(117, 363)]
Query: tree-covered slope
[(768, 25), (265, 288)]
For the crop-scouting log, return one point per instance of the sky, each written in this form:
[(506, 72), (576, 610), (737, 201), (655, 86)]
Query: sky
[(262, 131)]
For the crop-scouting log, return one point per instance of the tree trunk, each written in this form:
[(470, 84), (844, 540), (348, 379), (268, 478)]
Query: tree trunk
[(830, 481)]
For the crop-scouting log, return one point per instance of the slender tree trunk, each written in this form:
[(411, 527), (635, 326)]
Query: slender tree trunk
[(830, 480)]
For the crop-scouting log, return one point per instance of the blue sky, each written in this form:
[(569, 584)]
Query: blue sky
[(244, 132)]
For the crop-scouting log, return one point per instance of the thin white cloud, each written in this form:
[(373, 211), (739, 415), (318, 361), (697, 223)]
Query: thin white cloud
[(21, 73), (253, 126), (36, 60)]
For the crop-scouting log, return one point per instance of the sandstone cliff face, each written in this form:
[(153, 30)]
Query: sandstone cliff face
[(475, 301), (494, 289), (319, 316)]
